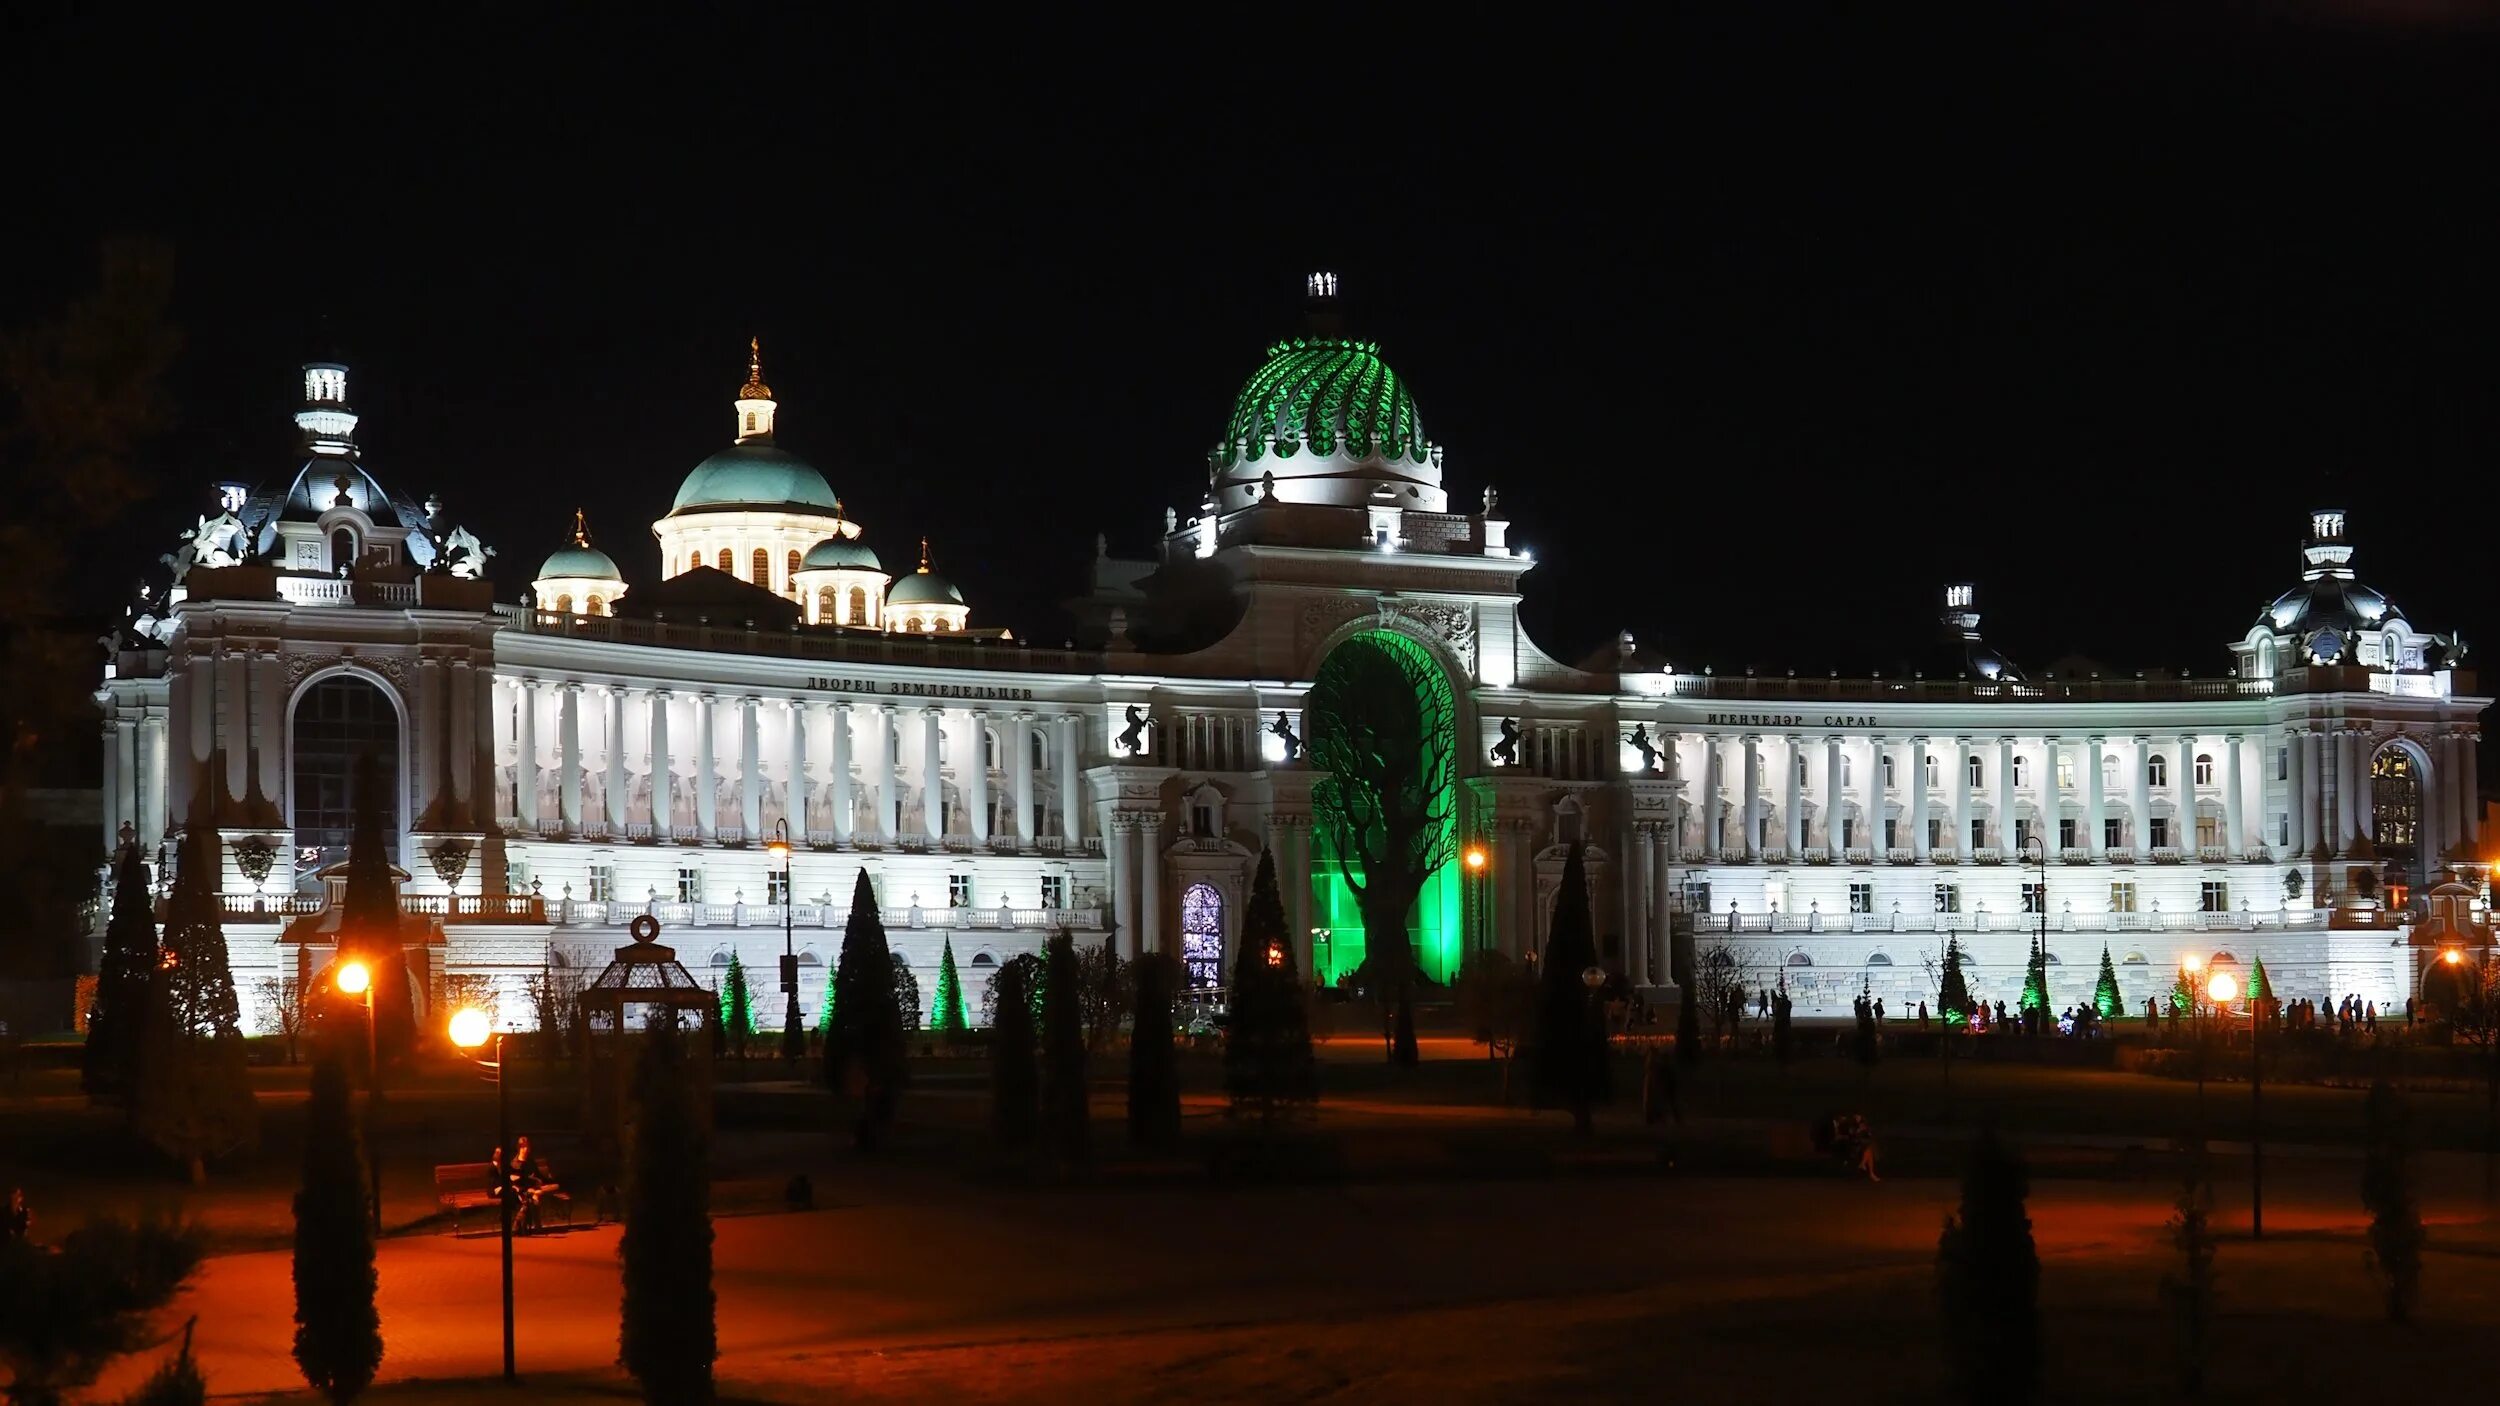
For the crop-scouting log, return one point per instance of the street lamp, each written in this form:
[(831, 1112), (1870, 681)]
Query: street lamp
[(2223, 989), (1477, 860), (356, 979), (471, 1028), (793, 1044)]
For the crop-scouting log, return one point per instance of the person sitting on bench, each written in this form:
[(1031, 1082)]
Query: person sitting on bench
[(534, 1181)]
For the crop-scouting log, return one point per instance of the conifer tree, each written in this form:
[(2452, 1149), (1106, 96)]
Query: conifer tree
[(111, 1060), (193, 1099), (1570, 1068), (1015, 1079), (369, 915), (2395, 1208), (948, 1016), (667, 1337), (2035, 995), (737, 1013), (338, 1333), (1953, 999), (1268, 1066), (1154, 1076), (1066, 1122), (864, 1055), (2106, 997), (1988, 1281), (2260, 990)]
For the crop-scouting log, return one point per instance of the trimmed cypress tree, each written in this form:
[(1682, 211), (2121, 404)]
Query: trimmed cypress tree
[(1687, 1022), (193, 1099), (1570, 1069), (2035, 995), (1782, 1035), (864, 1056), (369, 916), (2105, 994), (1015, 1078), (1268, 1066), (1953, 1001), (947, 1017), (1988, 1281), (737, 1007), (2260, 990), (666, 1337), (1066, 1122), (2395, 1209), (338, 1332), (110, 1062), (1154, 1076), (197, 977)]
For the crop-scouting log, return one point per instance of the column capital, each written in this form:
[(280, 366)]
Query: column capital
[(1022, 715), (840, 705), (1833, 739), (1710, 739), (2007, 741), (1875, 737), (706, 695), (748, 700), (571, 686), (1793, 740), (2232, 738), (661, 694), (2097, 740), (2144, 739), (1752, 740), (1918, 739), (933, 711), (1962, 740)]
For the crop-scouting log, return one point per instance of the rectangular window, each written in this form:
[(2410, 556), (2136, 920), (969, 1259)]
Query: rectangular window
[(2208, 832), (689, 884), (1892, 837), (1861, 898), (959, 890), (1054, 893), (2122, 898), (1948, 898), (2033, 898), (2069, 833), (2282, 831), (1937, 835), (2113, 832), (2215, 896), (2161, 832), (2282, 763), (602, 886), (1201, 825), (2024, 832), (776, 888), (1848, 833), (2065, 771), (1696, 895), (1978, 840)]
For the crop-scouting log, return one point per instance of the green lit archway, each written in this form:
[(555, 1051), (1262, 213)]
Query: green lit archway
[(1383, 723)]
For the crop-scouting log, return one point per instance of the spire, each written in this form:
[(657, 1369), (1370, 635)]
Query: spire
[(581, 530), (755, 389), (924, 556), (755, 399), (1320, 312)]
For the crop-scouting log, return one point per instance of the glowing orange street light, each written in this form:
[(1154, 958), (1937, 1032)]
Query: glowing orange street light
[(355, 978), (2191, 961), (1477, 858), (2222, 988), (2452, 957), (470, 1028)]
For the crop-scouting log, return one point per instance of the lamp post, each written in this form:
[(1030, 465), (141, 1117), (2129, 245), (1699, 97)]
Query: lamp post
[(356, 979), (793, 1044), (2223, 989), (1477, 859), (469, 1029)]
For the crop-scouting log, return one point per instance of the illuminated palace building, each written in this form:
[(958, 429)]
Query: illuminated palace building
[(556, 765)]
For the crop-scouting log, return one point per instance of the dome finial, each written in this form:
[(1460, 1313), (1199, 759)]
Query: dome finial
[(581, 530), (755, 389), (1320, 313), (924, 556)]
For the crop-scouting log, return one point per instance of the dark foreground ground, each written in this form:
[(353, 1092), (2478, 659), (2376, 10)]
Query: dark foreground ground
[(1415, 1241)]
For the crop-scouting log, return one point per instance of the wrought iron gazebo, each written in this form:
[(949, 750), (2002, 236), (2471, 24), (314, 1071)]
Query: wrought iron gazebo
[(644, 973)]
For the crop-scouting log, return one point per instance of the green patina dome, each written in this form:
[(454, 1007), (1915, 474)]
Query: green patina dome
[(581, 563), (840, 554), (754, 476), (1327, 396), (924, 587)]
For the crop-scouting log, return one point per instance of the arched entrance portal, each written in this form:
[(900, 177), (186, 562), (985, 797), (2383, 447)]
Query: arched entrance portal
[(2396, 817), (337, 720), (1383, 727), (1202, 934)]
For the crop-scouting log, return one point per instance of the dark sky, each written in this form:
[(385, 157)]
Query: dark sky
[(1764, 326)]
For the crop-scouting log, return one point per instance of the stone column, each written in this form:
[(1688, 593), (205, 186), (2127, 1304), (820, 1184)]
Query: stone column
[(2140, 799), (889, 778), (1635, 840), (932, 773), (2347, 776), (154, 762), (2468, 794), (202, 686), (2005, 800), (706, 769), (1918, 798), (462, 705), (1835, 806), (1795, 763), (1071, 818), (1662, 902), (1150, 882), (525, 755), (2300, 805), (2052, 795), (1875, 797), (750, 769), (269, 732), (1961, 846), (620, 790), (1115, 843), (838, 771), (117, 779), (1713, 837), (2234, 834), (234, 718), (1022, 733), (2096, 814), (569, 765), (663, 770), (975, 771), (794, 797), (2183, 795), (1753, 798)]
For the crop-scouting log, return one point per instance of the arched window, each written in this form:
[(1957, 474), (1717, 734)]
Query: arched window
[(794, 567), (1848, 777), (859, 605), (1202, 934), (944, 624), (342, 548), (979, 959), (1879, 960), (762, 568), (750, 430), (1800, 959), (2022, 777), (1889, 783), (693, 560), (1041, 749), (2109, 772), (593, 606), (1976, 770), (564, 606), (2157, 769), (2204, 769), (2065, 771), (725, 562), (1931, 768), (338, 720)]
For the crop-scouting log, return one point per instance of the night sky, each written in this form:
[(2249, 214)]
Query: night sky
[(1765, 327)]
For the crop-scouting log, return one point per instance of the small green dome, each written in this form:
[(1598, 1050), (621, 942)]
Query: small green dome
[(754, 476), (840, 554), (581, 563), (924, 587), (1328, 396)]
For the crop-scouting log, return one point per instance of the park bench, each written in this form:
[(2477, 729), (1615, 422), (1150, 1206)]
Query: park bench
[(458, 1186)]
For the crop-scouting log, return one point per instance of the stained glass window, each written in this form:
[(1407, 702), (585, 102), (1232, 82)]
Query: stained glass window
[(1202, 934)]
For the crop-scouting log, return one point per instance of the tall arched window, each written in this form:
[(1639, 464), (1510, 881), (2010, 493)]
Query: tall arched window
[(1848, 775), (564, 606), (338, 720), (760, 568), (750, 430), (726, 561), (2022, 773), (825, 606), (342, 548), (2157, 769), (859, 607), (693, 560), (1202, 934), (794, 568), (1888, 781), (2109, 772), (2204, 769), (1976, 770), (592, 607)]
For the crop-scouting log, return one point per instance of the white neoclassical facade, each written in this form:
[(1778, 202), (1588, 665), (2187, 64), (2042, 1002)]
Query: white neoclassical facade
[(607, 750)]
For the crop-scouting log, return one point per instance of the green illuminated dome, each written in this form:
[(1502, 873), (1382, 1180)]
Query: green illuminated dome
[(754, 477), (1328, 396), (581, 563), (841, 554), (924, 587)]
